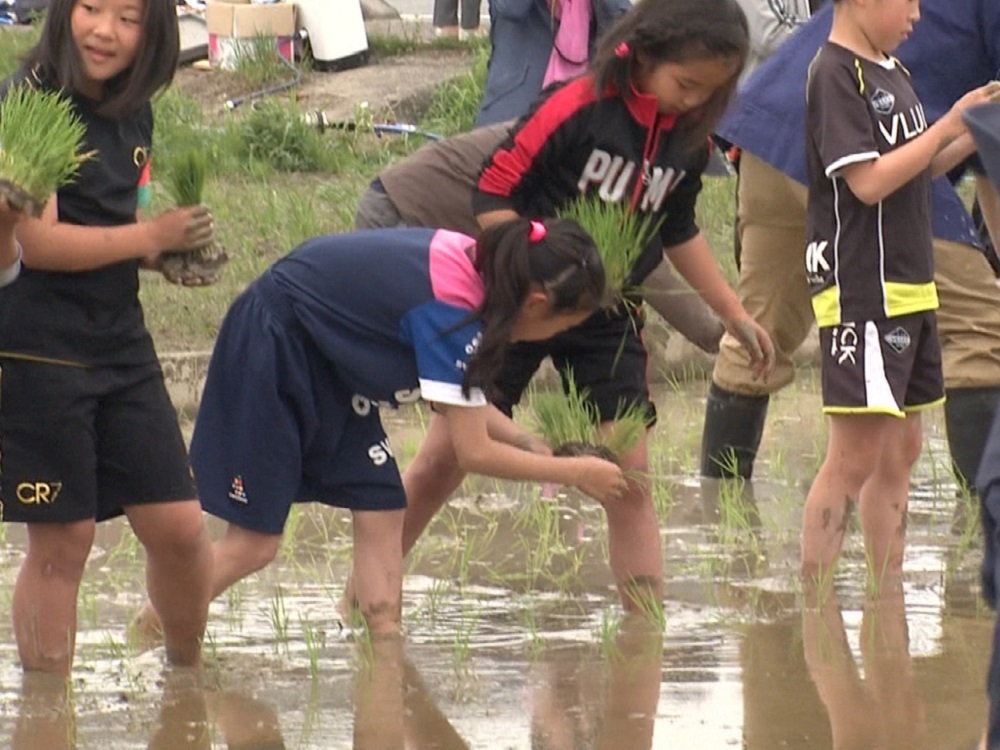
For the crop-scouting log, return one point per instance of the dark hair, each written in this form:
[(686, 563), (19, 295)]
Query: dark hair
[(676, 31), (57, 59), (565, 263)]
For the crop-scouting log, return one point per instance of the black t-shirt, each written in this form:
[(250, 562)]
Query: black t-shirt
[(91, 317), (864, 262), (575, 142)]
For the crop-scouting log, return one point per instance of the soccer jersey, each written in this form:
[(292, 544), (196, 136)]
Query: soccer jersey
[(954, 48), (88, 317), (389, 309), (864, 262), (616, 146)]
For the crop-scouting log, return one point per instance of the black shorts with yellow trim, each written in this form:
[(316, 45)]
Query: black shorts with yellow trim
[(890, 366), (85, 442)]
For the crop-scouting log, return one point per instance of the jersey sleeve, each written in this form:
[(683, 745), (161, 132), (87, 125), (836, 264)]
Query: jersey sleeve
[(443, 345), (837, 116), (522, 162)]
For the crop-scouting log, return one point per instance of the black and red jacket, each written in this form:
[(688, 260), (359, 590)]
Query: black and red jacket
[(575, 142)]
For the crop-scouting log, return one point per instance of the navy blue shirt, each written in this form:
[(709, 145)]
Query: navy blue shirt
[(389, 309)]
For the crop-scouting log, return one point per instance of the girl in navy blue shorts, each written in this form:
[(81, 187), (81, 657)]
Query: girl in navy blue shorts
[(348, 324)]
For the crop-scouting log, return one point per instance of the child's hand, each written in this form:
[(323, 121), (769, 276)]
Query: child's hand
[(181, 229), (757, 343), (9, 216), (602, 480), (988, 93)]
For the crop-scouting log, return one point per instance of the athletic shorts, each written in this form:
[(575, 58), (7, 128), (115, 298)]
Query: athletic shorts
[(882, 367), (85, 442), (605, 354), (276, 425)]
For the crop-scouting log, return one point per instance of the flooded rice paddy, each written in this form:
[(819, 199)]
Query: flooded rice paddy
[(515, 637)]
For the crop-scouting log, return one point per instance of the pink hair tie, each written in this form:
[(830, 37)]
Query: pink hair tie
[(537, 232), (622, 50)]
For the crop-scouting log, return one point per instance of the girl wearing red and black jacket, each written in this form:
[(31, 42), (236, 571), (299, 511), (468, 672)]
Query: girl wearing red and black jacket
[(636, 130)]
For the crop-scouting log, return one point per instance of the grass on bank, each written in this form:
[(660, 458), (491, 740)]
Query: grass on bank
[(275, 181)]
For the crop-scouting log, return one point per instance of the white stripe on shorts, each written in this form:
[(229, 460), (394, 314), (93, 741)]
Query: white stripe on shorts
[(878, 394)]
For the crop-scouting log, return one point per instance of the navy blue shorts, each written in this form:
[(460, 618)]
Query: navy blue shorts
[(85, 442), (276, 425), (606, 355)]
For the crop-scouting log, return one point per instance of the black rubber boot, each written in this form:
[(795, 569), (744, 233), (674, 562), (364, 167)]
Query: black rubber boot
[(731, 436), (968, 414)]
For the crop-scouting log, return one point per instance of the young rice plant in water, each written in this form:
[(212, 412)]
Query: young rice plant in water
[(40, 139), (569, 420)]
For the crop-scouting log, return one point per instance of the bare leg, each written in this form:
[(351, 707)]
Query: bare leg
[(378, 568), (236, 555), (44, 605), (884, 499), (428, 481), (634, 537), (178, 572), (852, 454)]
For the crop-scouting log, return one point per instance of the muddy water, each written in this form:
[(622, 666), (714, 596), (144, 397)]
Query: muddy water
[(514, 636)]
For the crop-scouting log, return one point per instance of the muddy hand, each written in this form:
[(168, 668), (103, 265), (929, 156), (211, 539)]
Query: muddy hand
[(200, 228), (183, 229), (757, 343), (602, 480)]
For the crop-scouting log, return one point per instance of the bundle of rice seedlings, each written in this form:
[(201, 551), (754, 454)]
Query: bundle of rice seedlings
[(40, 139), (569, 422), (186, 185), (619, 233)]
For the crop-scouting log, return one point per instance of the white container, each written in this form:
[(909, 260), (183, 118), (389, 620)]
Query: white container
[(336, 32)]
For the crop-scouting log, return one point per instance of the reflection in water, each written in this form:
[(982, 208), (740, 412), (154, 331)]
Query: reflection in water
[(183, 719), (503, 570), (884, 709), (582, 703), (46, 718)]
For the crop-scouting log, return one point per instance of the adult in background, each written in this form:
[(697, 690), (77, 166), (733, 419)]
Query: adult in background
[(535, 43)]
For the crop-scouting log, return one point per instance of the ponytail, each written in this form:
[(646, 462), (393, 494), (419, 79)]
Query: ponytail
[(557, 255)]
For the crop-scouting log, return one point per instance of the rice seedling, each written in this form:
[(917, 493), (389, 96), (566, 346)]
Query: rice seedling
[(620, 234), (314, 640), (186, 185), (278, 617), (607, 633), (40, 141), (570, 423), (462, 643), (647, 604)]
